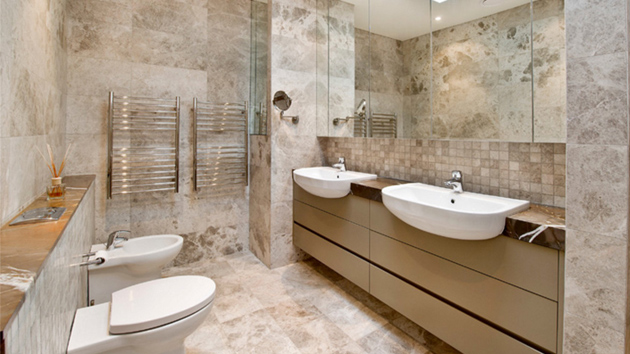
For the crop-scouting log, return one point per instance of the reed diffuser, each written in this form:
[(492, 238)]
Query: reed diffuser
[(56, 190)]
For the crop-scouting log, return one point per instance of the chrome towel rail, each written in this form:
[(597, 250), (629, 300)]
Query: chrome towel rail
[(143, 145), (360, 128), (221, 146), (384, 125)]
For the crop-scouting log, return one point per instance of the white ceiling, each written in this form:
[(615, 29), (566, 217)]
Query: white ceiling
[(405, 19)]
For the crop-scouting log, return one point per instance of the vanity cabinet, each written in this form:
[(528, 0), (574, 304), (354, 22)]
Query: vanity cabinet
[(494, 296)]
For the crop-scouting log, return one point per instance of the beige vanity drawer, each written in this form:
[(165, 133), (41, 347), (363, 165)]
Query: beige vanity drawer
[(347, 234), (531, 316), (463, 332), (343, 262), (528, 266), (355, 209)]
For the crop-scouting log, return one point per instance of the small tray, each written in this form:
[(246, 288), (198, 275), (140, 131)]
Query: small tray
[(39, 215)]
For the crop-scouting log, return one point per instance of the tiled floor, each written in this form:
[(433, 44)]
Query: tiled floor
[(301, 308)]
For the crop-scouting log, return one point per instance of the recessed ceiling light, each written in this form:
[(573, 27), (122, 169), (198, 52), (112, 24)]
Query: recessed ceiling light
[(439, 1), (438, 18)]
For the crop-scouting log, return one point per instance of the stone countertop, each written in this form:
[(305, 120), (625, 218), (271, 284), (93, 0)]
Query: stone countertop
[(24, 248), (515, 225)]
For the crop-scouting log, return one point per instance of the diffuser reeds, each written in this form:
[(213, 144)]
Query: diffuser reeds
[(51, 165), (57, 190)]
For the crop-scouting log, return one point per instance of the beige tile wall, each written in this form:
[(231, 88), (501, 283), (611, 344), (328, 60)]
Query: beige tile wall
[(596, 300), (292, 50), (32, 98), (535, 172), (158, 48)]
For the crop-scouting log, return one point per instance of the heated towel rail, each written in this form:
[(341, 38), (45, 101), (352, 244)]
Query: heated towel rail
[(220, 164), (383, 125), (143, 145)]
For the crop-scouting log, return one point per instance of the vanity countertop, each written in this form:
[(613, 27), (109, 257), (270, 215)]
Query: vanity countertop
[(24, 248), (515, 225)]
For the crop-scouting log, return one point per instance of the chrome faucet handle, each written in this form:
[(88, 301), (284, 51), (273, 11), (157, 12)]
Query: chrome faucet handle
[(455, 182), (113, 237), (341, 165), (456, 176), (119, 239)]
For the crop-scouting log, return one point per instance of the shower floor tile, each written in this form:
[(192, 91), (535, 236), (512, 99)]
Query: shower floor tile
[(301, 308)]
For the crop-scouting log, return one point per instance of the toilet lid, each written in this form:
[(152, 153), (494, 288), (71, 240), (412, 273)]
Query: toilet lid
[(158, 302)]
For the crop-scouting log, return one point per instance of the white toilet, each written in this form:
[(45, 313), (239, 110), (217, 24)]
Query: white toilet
[(152, 317)]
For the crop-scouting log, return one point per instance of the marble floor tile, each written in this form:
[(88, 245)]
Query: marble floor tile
[(300, 308), (257, 333), (389, 339)]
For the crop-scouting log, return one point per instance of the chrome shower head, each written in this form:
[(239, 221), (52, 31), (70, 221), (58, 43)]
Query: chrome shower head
[(361, 108)]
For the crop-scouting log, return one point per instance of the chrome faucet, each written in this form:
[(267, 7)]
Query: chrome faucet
[(114, 239), (341, 165), (455, 182)]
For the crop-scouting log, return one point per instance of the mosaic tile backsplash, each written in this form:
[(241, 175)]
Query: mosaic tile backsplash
[(529, 171)]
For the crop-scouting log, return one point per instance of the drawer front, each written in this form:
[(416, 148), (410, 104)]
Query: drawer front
[(343, 262), (531, 316), (355, 209), (347, 234), (463, 332), (527, 266)]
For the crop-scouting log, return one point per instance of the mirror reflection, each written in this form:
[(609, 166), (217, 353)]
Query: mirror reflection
[(491, 70), (482, 77), (281, 101), (549, 54)]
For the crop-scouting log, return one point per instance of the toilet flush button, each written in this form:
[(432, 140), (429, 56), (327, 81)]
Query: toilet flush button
[(158, 302)]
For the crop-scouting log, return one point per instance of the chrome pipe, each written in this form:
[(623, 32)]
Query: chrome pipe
[(97, 261)]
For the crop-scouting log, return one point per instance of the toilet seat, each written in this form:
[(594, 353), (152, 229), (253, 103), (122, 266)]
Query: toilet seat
[(158, 302)]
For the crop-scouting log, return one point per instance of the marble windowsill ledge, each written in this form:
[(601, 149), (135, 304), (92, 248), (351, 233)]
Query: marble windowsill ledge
[(24, 248), (515, 225)]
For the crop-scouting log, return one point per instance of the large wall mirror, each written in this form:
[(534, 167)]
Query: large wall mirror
[(442, 69)]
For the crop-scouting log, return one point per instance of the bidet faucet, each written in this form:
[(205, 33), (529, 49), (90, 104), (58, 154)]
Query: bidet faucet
[(341, 165), (113, 239), (455, 182)]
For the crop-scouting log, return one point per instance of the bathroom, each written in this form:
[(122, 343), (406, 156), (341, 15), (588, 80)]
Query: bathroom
[(61, 59)]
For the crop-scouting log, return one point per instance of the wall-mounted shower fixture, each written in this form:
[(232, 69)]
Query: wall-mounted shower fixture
[(282, 102), (143, 145), (359, 113)]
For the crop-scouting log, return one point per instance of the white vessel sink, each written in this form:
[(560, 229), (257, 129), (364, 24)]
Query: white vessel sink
[(328, 182), (440, 211), (132, 262)]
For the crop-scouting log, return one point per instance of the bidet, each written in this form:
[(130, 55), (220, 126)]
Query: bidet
[(134, 261)]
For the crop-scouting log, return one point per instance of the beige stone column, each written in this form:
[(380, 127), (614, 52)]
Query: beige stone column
[(597, 177)]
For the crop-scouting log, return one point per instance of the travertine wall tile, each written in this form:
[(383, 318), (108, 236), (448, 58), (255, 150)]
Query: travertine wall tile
[(187, 48), (99, 40), (96, 77), (260, 198), (596, 113), (291, 146), (598, 193), (33, 99), (591, 295), (581, 335), (596, 303), (596, 27)]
